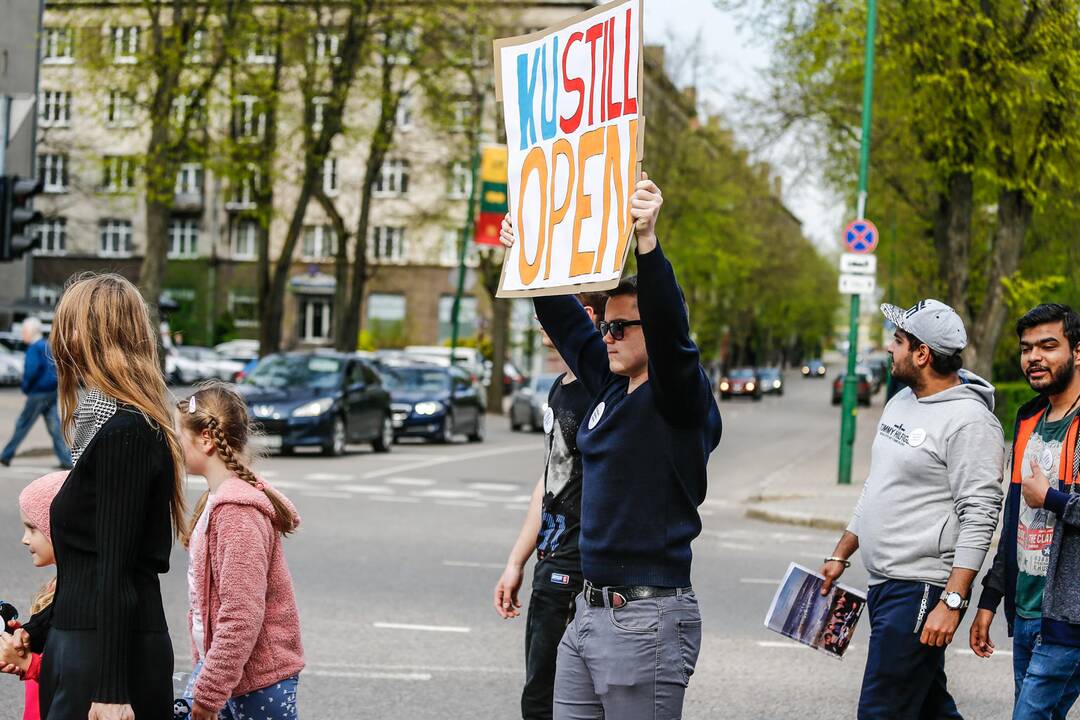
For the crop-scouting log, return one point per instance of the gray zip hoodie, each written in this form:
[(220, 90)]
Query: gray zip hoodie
[(932, 498)]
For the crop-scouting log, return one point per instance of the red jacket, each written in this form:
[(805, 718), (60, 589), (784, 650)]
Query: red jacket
[(31, 709), (250, 620)]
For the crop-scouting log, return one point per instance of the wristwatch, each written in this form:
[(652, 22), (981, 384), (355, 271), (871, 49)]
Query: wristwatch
[(954, 601)]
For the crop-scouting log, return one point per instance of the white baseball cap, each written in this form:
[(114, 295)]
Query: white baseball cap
[(933, 322)]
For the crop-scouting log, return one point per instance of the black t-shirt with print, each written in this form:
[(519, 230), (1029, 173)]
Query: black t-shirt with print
[(557, 543)]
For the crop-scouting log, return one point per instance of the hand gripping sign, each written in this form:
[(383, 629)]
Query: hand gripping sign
[(571, 98)]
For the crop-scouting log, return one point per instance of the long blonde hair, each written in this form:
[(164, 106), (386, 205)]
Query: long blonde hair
[(221, 412), (102, 338), (44, 597)]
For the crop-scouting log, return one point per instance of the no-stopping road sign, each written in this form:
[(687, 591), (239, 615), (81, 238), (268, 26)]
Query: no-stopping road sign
[(860, 236)]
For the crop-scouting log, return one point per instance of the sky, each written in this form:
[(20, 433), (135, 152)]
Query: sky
[(733, 62)]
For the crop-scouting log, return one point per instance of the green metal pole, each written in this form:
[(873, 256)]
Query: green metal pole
[(467, 232), (847, 419)]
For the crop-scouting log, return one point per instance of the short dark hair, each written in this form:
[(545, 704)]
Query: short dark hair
[(942, 364), (596, 300), (1049, 313), (626, 286)]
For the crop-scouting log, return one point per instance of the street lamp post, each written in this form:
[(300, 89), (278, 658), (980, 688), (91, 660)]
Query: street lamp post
[(847, 420), (469, 230)]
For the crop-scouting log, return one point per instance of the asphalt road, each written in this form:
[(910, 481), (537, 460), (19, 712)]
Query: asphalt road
[(397, 555)]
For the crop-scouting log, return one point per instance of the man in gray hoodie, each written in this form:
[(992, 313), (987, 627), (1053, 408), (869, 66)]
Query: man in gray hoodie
[(926, 516)]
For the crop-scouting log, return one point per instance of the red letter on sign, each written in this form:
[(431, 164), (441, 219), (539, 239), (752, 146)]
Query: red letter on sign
[(614, 109), (591, 36), (577, 85), (630, 106)]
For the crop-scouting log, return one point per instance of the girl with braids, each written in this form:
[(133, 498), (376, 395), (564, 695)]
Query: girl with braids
[(245, 629), (107, 653)]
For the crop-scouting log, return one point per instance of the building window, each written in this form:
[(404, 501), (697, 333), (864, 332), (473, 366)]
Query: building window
[(463, 114), (448, 253), (261, 50), (54, 108), (197, 46), (316, 319), (52, 169), (393, 180), (405, 112), (244, 309), (318, 112), (320, 243), (386, 316), (245, 239), (183, 238), (327, 46), (116, 240), (57, 44), (51, 236), (118, 173), (329, 176), (119, 109), (398, 47), (243, 191), (185, 105), (466, 317), (189, 179), (47, 295), (125, 44), (460, 181), (249, 117), (387, 245)]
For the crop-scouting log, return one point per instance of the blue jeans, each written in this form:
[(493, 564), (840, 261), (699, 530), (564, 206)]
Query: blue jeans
[(276, 702), (1047, 675), (44, 405)]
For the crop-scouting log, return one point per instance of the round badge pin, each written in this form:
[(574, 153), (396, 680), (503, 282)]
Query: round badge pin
[(596, 415), (1046, 460), (549, 420), (916, 437)]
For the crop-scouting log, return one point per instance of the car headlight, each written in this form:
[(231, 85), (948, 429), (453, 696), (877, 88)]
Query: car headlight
[(427, 408), (724, 386), (821, 371), (750, 386), (314, 409), (805, 370), (776, 384)]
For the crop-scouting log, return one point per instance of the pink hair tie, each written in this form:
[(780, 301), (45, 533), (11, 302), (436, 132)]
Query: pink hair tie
[(259, 486)]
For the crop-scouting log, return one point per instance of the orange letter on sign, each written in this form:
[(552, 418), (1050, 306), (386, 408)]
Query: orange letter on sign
[(631, 183), (534, 162), (591, 145), (612, 174), (561, 148)]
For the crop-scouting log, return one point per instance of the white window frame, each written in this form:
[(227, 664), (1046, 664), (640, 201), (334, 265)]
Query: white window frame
[(330, 176), (54, 108), (52, 169), (189, 179), (124, 42), (327, 47), (249, 118), (115, 238), (183, 239), (261, 50), (243, 193), (393, 180), (309, 333), (243, 298), (195, 49), (387, 245), (404, 117), (182, 105), (245, 233), (460, 180), (318, 114), (323, 244), (57, 45), (119, 110), (52, 237), (114, 168), (46, 294)]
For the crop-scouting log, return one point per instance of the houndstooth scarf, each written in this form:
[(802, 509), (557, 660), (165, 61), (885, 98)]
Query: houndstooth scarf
[(93, 411)]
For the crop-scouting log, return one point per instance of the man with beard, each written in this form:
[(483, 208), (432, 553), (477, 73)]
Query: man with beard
[(550, 530), (926, 515), (1038, 558)]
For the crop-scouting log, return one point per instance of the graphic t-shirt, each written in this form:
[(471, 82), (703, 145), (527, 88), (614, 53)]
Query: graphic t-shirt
[(1035, 531), (557, 542)]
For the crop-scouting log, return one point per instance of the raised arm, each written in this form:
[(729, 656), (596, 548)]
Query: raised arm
[(576, 338)]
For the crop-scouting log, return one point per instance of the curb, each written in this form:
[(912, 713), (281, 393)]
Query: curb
[(790, 517)]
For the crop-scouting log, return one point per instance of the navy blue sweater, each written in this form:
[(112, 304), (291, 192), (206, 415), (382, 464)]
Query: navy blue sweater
[(39, 370), (645, 457)]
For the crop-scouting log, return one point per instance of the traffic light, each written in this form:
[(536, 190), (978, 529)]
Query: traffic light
[(17, 217)]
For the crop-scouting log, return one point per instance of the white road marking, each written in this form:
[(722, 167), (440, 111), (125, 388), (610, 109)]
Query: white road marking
[(293, 485), (325, 494), (1003, 653), (333, 477), (516, 507), (494, 487), (781, 644), (447, 494), (366, 489), (418, 482), (443, 460), (759, 581), (421, 628), (461, 503), (466, 563), (395, 498), (736, 546), (420, 668), (369, 675)]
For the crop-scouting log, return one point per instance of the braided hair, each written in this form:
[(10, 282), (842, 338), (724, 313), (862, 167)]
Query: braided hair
[(218, 409)]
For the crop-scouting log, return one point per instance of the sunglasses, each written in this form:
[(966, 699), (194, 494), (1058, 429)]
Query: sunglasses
[(617, 328)]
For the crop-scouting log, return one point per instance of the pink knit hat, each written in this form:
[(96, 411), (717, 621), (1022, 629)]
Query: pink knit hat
[(36, 499)]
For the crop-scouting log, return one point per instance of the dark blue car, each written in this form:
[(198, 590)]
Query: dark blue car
[(318, 399), (434, 402)]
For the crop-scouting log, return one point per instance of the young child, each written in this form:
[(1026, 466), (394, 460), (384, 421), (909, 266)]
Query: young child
[(244, 624), (34, 503)]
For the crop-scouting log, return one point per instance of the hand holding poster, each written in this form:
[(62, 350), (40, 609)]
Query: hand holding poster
[(824, 622), (571, 99)]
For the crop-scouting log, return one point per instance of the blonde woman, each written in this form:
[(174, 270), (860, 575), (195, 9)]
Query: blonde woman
[(107, 653)]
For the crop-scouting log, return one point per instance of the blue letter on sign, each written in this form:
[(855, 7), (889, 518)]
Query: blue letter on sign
[(526, 90), (547, 125)]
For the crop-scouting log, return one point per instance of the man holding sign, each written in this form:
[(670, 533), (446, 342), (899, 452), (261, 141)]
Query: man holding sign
[(652, 425)]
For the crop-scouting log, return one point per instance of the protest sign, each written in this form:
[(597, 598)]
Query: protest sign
[(572, 98), (492, 194)]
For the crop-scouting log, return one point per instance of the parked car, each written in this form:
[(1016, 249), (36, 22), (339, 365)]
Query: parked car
[(743, 382), (210, 363), (318, 399), (863, 388), (182, 369), (529, 404), (813, 369), (434, 402), (239, 350), (878, 366), (11, 367), (871, 371), (772, 380), (13, 341), (468, 359)]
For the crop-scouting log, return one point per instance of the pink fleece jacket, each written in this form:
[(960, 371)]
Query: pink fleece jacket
[(250, 620)]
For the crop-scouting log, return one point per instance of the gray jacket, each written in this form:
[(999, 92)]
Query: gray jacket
[(933, 495)]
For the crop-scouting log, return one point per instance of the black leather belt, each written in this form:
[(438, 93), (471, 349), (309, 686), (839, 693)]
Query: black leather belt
[(619, 595)]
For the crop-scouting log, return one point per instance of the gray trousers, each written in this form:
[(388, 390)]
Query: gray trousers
[(629, 663)]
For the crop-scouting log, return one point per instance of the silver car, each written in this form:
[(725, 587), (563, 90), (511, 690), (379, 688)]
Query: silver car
[(530, 403)]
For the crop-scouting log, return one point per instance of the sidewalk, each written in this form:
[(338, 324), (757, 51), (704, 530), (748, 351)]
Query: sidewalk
[(37, 442), (805, 491)]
